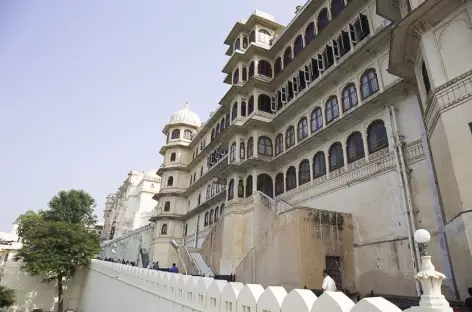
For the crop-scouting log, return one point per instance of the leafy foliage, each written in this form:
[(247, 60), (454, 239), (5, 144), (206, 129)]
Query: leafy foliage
[(57, 241), (55, 248), (74, 206), (7, 297)]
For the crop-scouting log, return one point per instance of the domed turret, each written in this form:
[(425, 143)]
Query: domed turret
[(185, 116)]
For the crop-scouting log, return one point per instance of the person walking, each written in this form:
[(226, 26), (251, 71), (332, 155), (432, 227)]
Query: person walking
[(328, 283), (174, 269)]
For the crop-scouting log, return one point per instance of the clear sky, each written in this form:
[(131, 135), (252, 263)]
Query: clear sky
[(87, 86)]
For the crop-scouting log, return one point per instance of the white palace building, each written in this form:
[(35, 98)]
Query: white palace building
[(342, 134)]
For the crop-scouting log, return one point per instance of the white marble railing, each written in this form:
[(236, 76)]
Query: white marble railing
[(115, 287)]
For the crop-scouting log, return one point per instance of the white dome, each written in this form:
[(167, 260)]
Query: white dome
[(186, 116)]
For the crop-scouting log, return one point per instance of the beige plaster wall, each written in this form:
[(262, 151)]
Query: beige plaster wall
[(292, 252)]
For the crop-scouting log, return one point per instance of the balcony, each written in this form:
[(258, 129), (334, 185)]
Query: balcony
[(212, 173)]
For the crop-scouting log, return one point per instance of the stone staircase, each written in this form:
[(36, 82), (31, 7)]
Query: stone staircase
[(203, 267)]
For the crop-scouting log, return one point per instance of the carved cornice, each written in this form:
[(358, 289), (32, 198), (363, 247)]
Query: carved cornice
[(447, 96)]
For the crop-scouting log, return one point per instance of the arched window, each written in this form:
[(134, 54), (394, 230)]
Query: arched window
[(291, 178), (302, 129), (173, 156), (236, 76), (250, 147), (279, 184), (222, 209), (207, 214), (309, 33), (250, 105), (199, 200), (323, 19), (217, 211), (279, 144), (264, 68), (287, 56), (222, 124), (265, 184), (369, 83), (234, 111), (278, 65), (290, 137), (175, 134), (164, 229), (170, 181), (211, 217), (264, 146), (251, 69), (167, 206), (237, 44), (336, 7), (304, 172), (245, 42), (243, 108), (377, 136), (349, 94), (316, 119), (298, 45), (227, 121), (252, 37), (355, 147), (212, 134), (319, 165), (208, 192), (188, 134), (244, 74), (241, 188), (264, 103), (249, 186), (332, 109), (213, 188), (242, 150), (232, 152), (231, 190), (336, 157)]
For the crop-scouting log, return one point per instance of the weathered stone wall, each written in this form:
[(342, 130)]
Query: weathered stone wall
[(292, 253)]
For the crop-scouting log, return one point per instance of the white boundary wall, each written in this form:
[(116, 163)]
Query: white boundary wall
[(116, 287)]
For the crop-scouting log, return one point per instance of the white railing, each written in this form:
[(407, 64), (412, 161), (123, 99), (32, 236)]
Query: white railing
[(116, 287)]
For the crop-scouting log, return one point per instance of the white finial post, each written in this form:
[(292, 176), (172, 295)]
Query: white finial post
[(186, 105), (429, 278)]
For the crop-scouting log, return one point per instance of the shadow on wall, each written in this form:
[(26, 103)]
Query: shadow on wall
[(310, 241), (32, 293)]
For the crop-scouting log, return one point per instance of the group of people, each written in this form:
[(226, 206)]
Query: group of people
[(155, 266), (150, 265), (122, 261)]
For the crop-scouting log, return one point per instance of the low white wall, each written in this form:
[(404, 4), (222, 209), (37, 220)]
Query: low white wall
[(115, 287)]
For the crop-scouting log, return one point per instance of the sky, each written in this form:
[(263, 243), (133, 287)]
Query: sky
[(87, 86)]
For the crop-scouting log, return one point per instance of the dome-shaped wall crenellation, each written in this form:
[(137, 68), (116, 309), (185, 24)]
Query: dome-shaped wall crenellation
[(165, 291)]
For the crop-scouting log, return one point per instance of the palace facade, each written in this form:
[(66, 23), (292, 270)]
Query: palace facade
[(131, 206), (342, 133)]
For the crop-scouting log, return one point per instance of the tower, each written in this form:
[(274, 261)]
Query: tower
[(432, 47), (180, 130)]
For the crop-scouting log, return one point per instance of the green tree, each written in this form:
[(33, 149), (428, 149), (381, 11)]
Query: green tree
[(58, 241), (74, 206), (7, 297)]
